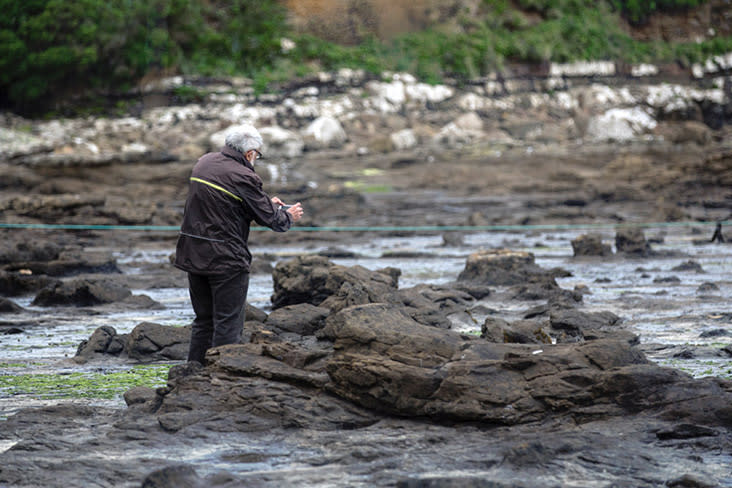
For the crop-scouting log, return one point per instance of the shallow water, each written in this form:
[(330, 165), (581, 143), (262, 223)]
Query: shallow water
[(663, 314)]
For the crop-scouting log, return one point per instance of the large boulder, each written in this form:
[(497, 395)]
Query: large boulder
[(103, 341), (324, 132), (500, 267), (590, 245), (147, 342), (504, 267), (384, 361), (620, 124), (375, 359), (279, 142), (82, 293), (317, 281), (632, 241)]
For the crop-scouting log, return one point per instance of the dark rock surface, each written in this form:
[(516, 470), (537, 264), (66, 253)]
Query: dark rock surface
[(21, 283), (590, 245), (631, 241), (382, 393), (9, 306), (81, 293), (145, 343)]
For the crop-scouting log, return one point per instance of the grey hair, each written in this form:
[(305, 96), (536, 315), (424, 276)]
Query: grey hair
[(244, 138)]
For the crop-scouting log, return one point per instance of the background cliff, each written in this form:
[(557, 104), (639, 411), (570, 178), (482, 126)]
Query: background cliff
[(58, 55)]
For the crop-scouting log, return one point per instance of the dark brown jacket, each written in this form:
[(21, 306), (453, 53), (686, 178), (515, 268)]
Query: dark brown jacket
[(224, 197)]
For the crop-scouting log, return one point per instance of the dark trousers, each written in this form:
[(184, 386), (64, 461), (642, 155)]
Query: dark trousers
[(218, 302)]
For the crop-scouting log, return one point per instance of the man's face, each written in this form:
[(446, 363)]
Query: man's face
[(253, 154)]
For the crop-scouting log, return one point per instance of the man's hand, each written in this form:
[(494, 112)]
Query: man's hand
[(277, 201), (295, 212)]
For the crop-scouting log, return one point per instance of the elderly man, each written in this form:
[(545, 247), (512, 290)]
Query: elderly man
[(224, 197)]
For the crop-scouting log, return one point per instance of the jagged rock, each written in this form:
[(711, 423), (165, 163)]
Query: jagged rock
[(383, 360), (574, 320), (315, 280), (301, 318), (502, 267), (632, 241), (498, 330), (431, 304), (104, 340), (150, 342), (590, 245), (147, 342), (81, 293), (253, 313)]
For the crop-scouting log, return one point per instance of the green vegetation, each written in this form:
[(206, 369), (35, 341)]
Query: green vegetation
[(83, 385), (639, 11), (54, 50)]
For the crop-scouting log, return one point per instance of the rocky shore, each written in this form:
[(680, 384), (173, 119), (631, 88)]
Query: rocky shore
[(499, 377), (352, 381)]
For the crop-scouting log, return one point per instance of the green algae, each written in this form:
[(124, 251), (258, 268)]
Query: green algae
[(82, 385)]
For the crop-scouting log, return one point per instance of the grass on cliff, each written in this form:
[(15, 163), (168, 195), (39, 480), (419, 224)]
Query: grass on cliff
[(55, 52)]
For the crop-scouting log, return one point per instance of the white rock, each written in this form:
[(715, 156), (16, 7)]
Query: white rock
[(16, 143), (620, 124), (287, 45), (724, 61), (493, 87), (565, 101), (279, 142), (306, 91), (167, 116), (464, 129), (404, 139), (640, 70), (669, 97), (583, 68), (697, 70), (392, 93), (598, 96), (472, 102), (422, 92), (324, 132), (347, 76), (163, 84), (251, 113), (407, 78), (134, 148), (470, 122)]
